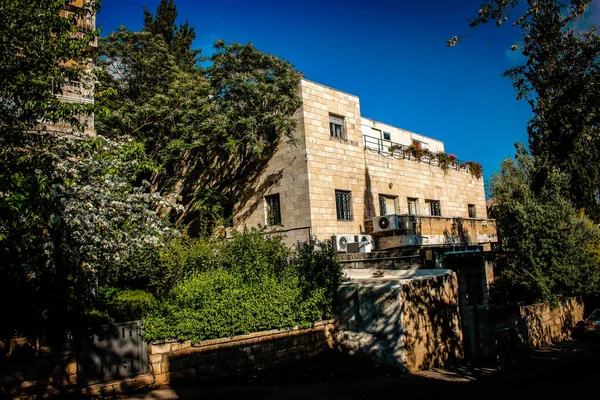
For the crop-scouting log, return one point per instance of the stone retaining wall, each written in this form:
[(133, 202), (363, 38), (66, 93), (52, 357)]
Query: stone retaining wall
[(546, 325), (173, 361), (27, 369), (410, 323)]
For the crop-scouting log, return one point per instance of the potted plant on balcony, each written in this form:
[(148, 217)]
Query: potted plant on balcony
[(445, 160), (474, 168), (414, 150), (394, 147)]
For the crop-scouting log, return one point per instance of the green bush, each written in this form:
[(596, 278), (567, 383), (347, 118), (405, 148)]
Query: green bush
[(253, 283), (129, 305)]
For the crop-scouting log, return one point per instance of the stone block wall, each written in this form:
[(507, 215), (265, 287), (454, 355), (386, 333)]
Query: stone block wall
[(27, 371), (177, 361), (546, 325), (409, 323), (430, 316), (307, 174)]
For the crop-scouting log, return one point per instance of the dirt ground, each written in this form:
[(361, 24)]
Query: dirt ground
[(570, 369)]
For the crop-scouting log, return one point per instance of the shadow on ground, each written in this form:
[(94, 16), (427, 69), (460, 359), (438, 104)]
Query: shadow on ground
[(571, 367)]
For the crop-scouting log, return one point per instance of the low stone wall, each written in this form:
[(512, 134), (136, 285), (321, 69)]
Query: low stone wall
[(27, 369), (173, 361), (411, 323), (546, 325)]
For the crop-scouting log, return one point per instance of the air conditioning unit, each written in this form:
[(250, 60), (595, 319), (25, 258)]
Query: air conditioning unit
[(366, 244), (385, 223), (341, 242), (407, 222)]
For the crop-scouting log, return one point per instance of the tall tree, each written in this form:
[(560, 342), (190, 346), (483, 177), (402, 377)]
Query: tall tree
[(561, 82), (208, 131), (556, 246), (179, 39)]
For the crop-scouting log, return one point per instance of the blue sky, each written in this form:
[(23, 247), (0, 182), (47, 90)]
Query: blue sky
[(392, 54)]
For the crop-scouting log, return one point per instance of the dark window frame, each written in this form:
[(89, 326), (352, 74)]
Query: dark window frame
[(273, 211), (343, 205), (387, 136), (336, 126), (435, 208), (472, 210)]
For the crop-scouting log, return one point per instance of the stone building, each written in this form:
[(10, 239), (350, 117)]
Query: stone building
[(81, 91), (344, 171)]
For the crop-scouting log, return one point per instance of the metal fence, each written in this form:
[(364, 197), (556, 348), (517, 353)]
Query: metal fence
[(111, 352)]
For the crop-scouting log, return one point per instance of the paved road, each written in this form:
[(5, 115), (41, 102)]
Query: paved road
[(567, 370)]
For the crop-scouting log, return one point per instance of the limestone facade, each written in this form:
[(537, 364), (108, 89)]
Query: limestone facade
[(307, 174)]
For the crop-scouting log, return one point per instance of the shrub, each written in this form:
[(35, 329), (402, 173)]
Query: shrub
[(128, 305), (253, 283)]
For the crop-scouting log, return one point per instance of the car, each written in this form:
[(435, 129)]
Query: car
[(591, 324)]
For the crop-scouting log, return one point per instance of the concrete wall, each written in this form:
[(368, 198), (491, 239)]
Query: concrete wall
[(227, 357), (409, 323)]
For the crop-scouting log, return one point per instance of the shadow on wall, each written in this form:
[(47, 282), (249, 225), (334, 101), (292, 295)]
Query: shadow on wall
[(369, 207), (413, 324), (458, 233)]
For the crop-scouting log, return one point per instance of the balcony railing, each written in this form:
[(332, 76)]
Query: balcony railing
[(74, 92), (382, 147)]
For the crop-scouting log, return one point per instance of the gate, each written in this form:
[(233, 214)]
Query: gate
[(111, 352)]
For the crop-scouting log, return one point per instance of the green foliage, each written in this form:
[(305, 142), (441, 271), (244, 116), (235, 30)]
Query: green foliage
[(555, 246), (129, 305), (209, 131), (36, 42), (179, 39), (474, 168), (255, 283), (560, 81)]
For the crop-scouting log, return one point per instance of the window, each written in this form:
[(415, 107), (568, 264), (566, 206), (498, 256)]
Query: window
[(343, 205), (412, 206), (273, 210), (336, 126), (387, 136), (472, 213), (423, 145), (387, 205), (433, 207)]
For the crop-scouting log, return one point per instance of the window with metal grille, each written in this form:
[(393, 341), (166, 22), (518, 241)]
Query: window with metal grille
[(472, 212), (273, 209), (336, 126), (433, 207), (343, 205), (387, 205)]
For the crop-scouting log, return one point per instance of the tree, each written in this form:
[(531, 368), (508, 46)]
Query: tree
[(179, 39), (69, 213), (561, 82), (208, 131), (37, 41), (555, 245)]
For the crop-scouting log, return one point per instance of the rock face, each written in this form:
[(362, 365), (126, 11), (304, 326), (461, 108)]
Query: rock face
[(412, 322)]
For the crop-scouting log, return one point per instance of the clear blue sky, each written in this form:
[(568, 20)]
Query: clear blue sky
[(392, 54)]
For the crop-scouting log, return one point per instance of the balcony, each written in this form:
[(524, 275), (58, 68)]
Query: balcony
[(423, 230), (387, 148), (74, 92)]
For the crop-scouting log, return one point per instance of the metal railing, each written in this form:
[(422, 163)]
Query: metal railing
[(74, 91), (387, 148)]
